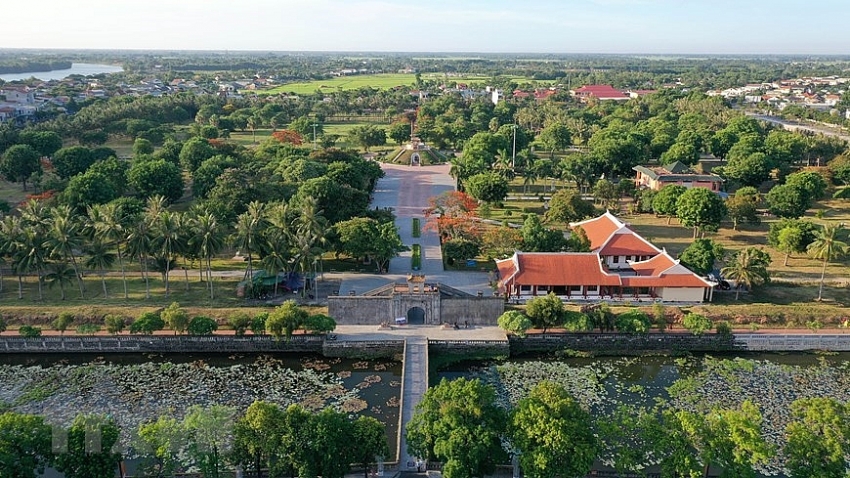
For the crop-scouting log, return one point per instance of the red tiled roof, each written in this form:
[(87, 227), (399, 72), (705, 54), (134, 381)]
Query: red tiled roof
[(599, 229), (557, 268), (654, 266), (600, 91), (628, 244)]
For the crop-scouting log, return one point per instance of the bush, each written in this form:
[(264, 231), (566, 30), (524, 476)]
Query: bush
[(62, 322), (633, 321), (29, 331), (114, 324), (577, 321), (258, 323), (697, 324), (88, 329), (2, 325), (147, 324), (175, 317), (202, 325), (240, 322), (458, 250), (514, 322), (319, 324), (723, 328)]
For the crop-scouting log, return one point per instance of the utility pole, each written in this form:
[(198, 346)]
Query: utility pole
[(315, 125), (513, 157)]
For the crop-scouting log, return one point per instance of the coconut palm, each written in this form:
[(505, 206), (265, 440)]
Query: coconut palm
[(278, 241), (246, 238), (167, 233), (139, 247), (827, 246), (107, 222), (100, 257), (747, 269), (64, 238), (59, 273), (30, 257), (208, 237), (311, 222), (10, 231)]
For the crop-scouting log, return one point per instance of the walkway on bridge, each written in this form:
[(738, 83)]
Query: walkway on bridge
[(414, 384)]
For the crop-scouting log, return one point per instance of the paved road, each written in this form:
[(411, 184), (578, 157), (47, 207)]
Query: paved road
[(794, 126), (406, 189)]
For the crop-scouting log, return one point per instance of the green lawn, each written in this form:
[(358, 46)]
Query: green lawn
[(382, 81)]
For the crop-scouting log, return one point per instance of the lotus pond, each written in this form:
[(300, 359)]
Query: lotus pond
[(136, 388), (698, 383)]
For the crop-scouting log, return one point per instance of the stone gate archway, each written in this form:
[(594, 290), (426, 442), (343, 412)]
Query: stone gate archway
[(416, 316)]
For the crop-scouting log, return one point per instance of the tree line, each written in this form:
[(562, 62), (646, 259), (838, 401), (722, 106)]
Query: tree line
[(462, 424), (263, 440)]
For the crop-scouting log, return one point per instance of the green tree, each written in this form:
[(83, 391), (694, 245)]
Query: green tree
[(156, 177), (91, 441), (175, 318), (665, 202), (142, 146), (633, 321), (742, 208), (748, 170), (487, 187), (318, 324), (827, 247), (367, 136), (285, 319), (19, 163), (701, 255), (370, 441), (515, 322), (538, 238), (553, 434), (748, 268), (240, 322), (88, 189), (811, 184), (729, 438), (72, 160), (818, 438), (696, 324), (555, 137), (500, 242), (44, 142), (25, 445), (545, 311), (209, 432), (399, 132), (458, 423), (332, 445), (567, 206), (700, 209), (194, 152), (29, 331), (161, 442), (606, 193), (786, 201), (459, 250), (790, 241), (256, 436)]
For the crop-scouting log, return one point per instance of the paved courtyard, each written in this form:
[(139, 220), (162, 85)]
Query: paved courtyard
[(406, 189)]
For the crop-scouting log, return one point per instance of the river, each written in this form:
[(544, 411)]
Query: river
[(85, 69)]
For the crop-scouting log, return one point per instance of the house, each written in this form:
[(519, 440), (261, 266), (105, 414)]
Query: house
[(656, 177), (600, 92), (621, 266)]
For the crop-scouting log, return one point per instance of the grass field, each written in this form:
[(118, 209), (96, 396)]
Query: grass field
[(382, 81)]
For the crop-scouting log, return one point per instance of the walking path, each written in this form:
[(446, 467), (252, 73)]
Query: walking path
[(414, 384), (407, 189)]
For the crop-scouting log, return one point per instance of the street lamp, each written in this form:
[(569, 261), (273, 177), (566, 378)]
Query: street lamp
[(314, 125)]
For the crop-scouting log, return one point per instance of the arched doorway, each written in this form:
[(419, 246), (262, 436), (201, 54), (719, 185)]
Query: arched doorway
[(416, 316)]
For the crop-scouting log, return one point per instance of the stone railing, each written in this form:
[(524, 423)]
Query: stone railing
[(620, 344), (798, 342), (160, 344)]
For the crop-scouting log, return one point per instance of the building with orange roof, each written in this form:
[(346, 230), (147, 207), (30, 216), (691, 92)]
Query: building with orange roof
[(621, 266)]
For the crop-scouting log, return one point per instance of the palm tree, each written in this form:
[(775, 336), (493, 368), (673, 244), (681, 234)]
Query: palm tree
[(208, 237), (249, 224), (30, 257), (100, 257), (107, 222), (64, 238), (167, 231), (311, 221), (139, 247), (827, 247), (278, 241), (60, 273), (747, 270), (529, 177)]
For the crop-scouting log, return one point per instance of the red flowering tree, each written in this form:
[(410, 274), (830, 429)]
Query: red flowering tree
[(288, 136), (452, 215)]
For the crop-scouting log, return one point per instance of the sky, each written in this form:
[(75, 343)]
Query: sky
[(486, 26)]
